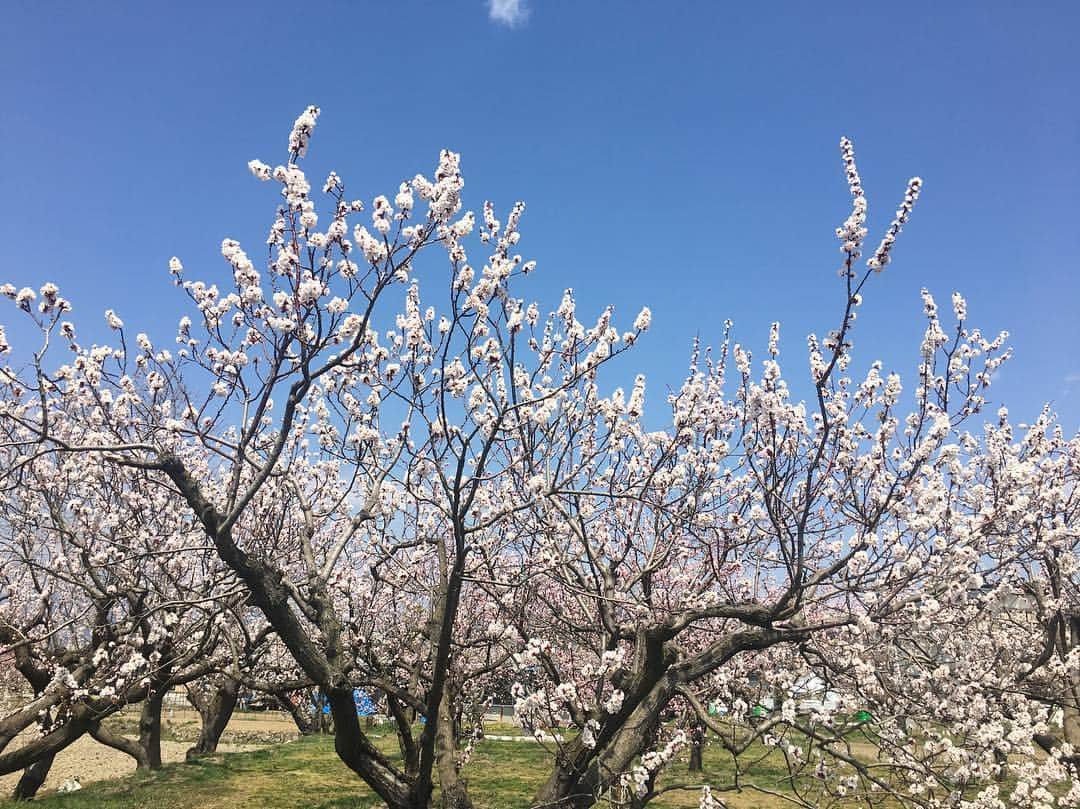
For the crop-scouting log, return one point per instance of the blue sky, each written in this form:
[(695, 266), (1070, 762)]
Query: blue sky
[(680, 155)]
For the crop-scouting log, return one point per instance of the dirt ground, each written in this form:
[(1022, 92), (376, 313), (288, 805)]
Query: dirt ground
[(91, 761)]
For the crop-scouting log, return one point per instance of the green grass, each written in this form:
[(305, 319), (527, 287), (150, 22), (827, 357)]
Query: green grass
[(307, 773)]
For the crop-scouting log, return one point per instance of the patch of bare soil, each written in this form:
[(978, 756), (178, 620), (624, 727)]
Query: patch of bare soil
[(91, 761)]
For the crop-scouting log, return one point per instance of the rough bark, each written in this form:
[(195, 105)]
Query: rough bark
[(454, 788), (433, 739), (584, 773), (17, 722), (356, 751)]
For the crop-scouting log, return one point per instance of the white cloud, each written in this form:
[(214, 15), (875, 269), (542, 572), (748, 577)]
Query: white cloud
[(1072, 378), (508, 12)]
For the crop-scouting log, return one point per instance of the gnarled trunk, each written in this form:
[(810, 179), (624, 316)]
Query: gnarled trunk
[(49, 744), (215, 710)]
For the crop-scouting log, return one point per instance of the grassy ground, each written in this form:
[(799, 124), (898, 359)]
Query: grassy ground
[(307, 773)]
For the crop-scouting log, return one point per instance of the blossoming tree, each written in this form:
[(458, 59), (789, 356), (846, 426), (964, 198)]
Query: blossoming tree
[(409, 412), (429, 494), (761, 544)]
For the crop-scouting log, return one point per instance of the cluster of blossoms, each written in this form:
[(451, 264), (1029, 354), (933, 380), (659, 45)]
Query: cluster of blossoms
[(881, 255), (640, 777), (853, 231)]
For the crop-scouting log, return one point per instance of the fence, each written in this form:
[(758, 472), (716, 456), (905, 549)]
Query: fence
[(499, 713)]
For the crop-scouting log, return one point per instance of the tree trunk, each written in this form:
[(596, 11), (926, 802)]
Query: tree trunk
[(123, 744), (215, 711), (301, 716), (695, 758), (272, 597), (454, 788), (51, 743), (362, 757), (561, 790), (403, 717), (150, 728), (586, 773), (32, 779), (697, 743)]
